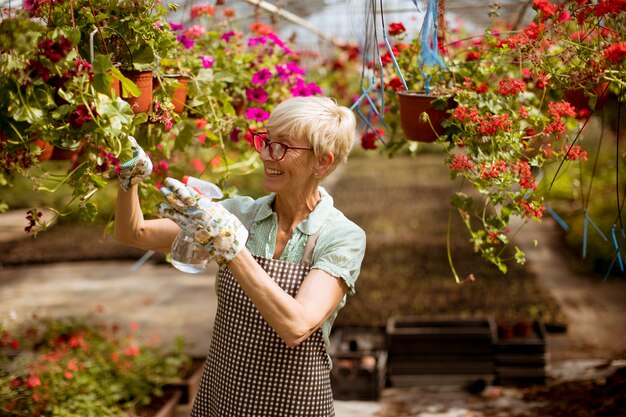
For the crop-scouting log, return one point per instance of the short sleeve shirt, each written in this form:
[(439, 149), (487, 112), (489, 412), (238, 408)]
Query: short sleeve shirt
[(339, 249)]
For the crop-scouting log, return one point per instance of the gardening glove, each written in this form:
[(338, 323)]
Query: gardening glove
[(135, 169), (218, 230)]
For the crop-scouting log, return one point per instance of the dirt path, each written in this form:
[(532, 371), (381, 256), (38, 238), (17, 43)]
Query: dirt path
[(595, 308)]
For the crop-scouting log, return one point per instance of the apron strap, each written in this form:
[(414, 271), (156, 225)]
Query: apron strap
[(307, 256)]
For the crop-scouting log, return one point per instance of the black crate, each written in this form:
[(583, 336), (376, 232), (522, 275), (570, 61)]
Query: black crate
[(440, 351), (359, 363), (522, 360)]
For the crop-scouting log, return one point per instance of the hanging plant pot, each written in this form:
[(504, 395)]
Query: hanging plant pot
[(179, 97), (46, 149), (581, 102), (143, 80), (62, 154), (412, 105)]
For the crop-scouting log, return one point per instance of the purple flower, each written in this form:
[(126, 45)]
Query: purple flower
[(280, 43), (257, 40), (185, 41), (207, 61), (255, 113), (226, 36), (256, 94), (176, 26), (261, 77), (301, 89), (286, 70)]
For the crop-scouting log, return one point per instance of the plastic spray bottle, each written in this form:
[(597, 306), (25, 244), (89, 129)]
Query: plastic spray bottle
[(187, 254)]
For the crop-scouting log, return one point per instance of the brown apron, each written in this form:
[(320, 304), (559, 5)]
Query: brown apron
[(250, 371)]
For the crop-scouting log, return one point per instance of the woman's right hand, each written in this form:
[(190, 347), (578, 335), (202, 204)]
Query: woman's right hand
[(218, 230), (135, 169)]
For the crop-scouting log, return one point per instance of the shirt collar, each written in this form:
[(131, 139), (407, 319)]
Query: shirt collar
[(308, 226)]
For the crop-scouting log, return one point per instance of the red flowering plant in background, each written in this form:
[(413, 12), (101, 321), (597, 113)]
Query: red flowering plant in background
[(511, 113), (82, 367)]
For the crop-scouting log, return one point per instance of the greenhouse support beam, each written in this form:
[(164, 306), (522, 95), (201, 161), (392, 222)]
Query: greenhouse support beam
[(297, 20)]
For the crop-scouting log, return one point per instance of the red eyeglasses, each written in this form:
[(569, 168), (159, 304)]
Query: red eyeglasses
[(261, 140)]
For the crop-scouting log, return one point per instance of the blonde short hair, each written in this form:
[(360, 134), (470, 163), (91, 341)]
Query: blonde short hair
[(327, 125)]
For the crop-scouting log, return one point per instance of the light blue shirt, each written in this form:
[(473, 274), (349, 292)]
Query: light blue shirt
[(339, 249)]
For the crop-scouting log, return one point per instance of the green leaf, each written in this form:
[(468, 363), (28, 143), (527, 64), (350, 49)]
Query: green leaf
[(461, 201), (183, 140), (87, 212), (129, 88)]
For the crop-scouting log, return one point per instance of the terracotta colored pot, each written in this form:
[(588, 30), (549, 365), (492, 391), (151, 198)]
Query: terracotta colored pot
[(180, 93), (115, 86), (46, 149), (143, 80), (61, 154), (412, 105)]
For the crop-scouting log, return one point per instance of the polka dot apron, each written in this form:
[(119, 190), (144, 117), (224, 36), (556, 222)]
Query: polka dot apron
[(250, 371)]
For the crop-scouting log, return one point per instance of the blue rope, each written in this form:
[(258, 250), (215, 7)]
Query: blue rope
[(393, 59), (428, 54), (586, 222), (617, 247), (557, 218)]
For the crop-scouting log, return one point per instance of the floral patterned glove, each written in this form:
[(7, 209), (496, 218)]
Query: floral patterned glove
[(135, 169), (214, 227)]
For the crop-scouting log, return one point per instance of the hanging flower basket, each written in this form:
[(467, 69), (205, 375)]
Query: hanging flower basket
[(62, 154), (416, 127), (581, 101), (143, 80)]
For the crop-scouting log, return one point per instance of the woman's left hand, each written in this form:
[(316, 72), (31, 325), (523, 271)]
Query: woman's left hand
[(214, 227)]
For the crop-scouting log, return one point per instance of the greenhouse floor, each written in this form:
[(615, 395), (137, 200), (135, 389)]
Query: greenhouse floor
[(167, 303)]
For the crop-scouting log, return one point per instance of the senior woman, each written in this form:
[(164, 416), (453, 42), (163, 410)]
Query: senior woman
[(287, 261)]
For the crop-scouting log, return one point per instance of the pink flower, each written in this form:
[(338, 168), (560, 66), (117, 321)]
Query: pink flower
[(280, 43), (176, 26), (195, 31), (185, 41), (226, 36), (301, 89), (257, 94), (207, 61), (255, 113), (257, 40), (261, 77), (287, 70)]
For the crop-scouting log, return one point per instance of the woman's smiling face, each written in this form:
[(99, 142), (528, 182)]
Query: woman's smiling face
[(293, 173)]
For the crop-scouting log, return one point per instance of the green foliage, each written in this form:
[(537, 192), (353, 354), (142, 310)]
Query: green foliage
[(81, 367)]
